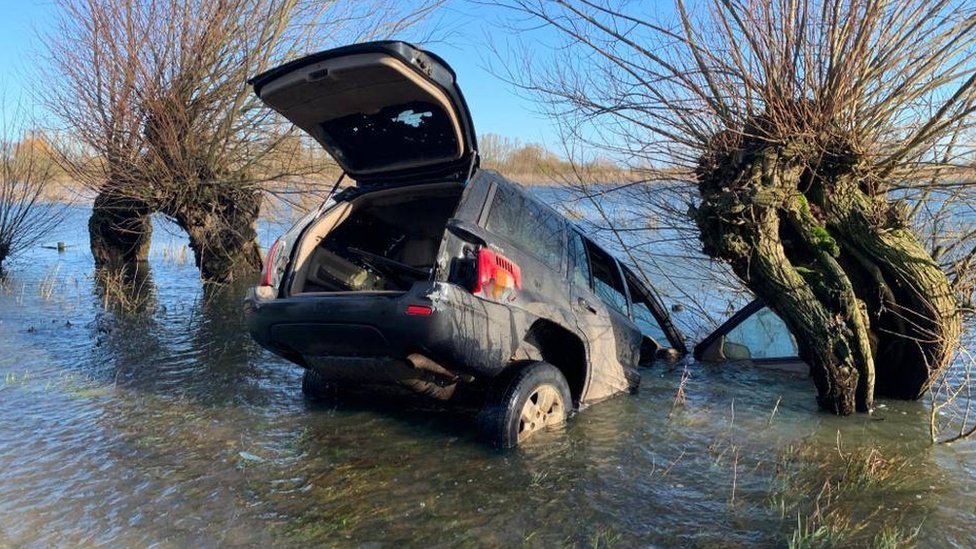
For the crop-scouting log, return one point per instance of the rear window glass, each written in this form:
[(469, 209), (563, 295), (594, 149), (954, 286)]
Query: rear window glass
[(410, 132), (530, 226)]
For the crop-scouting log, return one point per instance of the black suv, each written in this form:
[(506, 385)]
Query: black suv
[(431, 274)]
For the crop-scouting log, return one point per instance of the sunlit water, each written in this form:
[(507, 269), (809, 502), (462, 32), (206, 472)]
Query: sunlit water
[(170, 428)]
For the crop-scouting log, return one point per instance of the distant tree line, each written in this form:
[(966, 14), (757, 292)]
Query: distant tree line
[(534, 163)]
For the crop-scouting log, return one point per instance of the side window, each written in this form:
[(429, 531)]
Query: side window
[(763, 335), (643, 316), (606, 279), (581, 265), (529, 225)]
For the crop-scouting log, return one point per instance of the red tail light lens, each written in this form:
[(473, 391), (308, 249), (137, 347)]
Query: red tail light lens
[(269, 263), (419, 310), (497, 277)]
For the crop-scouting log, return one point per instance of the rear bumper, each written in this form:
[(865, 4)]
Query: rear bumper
[(363, 335)]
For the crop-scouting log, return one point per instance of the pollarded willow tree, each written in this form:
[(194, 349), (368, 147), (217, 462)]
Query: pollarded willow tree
[(813, 132), (158, 116)]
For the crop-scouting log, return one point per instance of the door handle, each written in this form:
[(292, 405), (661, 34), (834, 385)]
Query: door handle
[(586, 305)]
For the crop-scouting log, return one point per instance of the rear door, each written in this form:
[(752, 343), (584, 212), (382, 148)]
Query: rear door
[(388, 112), (599, 300)]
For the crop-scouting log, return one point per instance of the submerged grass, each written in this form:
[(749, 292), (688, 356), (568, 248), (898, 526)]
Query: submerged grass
[(893, 537), (56, 287), (45, 288), (122, 291), (810, 534), (822, 534), (605, 538), (13, 379), (833, 496), (680, 398), (175, 253)]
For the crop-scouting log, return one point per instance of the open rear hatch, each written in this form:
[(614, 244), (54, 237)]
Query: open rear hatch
[(378, 241), (388, 112)]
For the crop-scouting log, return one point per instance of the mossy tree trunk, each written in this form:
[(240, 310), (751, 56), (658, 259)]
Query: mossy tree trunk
[(221, 223), (120, 229), (821, 245)]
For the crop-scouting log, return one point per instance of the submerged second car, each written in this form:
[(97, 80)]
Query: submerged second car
[(431, 274)]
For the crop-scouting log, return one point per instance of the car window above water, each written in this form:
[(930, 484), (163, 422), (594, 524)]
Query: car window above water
[(581, 264), (607, 284), (763, 335), (528, 225)]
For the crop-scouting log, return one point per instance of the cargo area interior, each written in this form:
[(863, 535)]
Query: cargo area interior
[(380, 241)]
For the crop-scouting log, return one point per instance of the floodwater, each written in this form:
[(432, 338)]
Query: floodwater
[(163, 425)]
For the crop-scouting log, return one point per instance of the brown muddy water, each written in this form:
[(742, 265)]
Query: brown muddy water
[(165, 426)]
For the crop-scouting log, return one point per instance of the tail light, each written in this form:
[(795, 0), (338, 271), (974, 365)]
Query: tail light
[(267, 275), (420, 310), (497, 276)]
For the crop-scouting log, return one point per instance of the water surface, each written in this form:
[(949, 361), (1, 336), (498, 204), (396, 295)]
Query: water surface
[(166, 426)]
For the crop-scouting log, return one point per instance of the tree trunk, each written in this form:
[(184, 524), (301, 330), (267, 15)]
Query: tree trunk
[(120, 229), (4, 252), (870, 309), (222, 231)]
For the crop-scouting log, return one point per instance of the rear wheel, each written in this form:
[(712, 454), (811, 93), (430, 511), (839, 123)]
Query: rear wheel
[(532, 398), (316, 387)]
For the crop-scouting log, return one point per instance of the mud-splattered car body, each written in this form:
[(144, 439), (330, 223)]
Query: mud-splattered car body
[(431, 273)]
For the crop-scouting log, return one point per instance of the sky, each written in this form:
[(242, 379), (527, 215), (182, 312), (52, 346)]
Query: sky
[(18, 18), (495, 106)]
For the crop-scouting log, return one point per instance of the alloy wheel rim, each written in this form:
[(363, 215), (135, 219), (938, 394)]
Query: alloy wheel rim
[(544, 408)]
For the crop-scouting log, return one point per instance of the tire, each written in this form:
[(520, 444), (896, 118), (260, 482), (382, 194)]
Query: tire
[(512, 411), (317, 388)]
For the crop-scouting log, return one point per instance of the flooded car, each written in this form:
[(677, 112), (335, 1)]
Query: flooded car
[(432, 275)]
